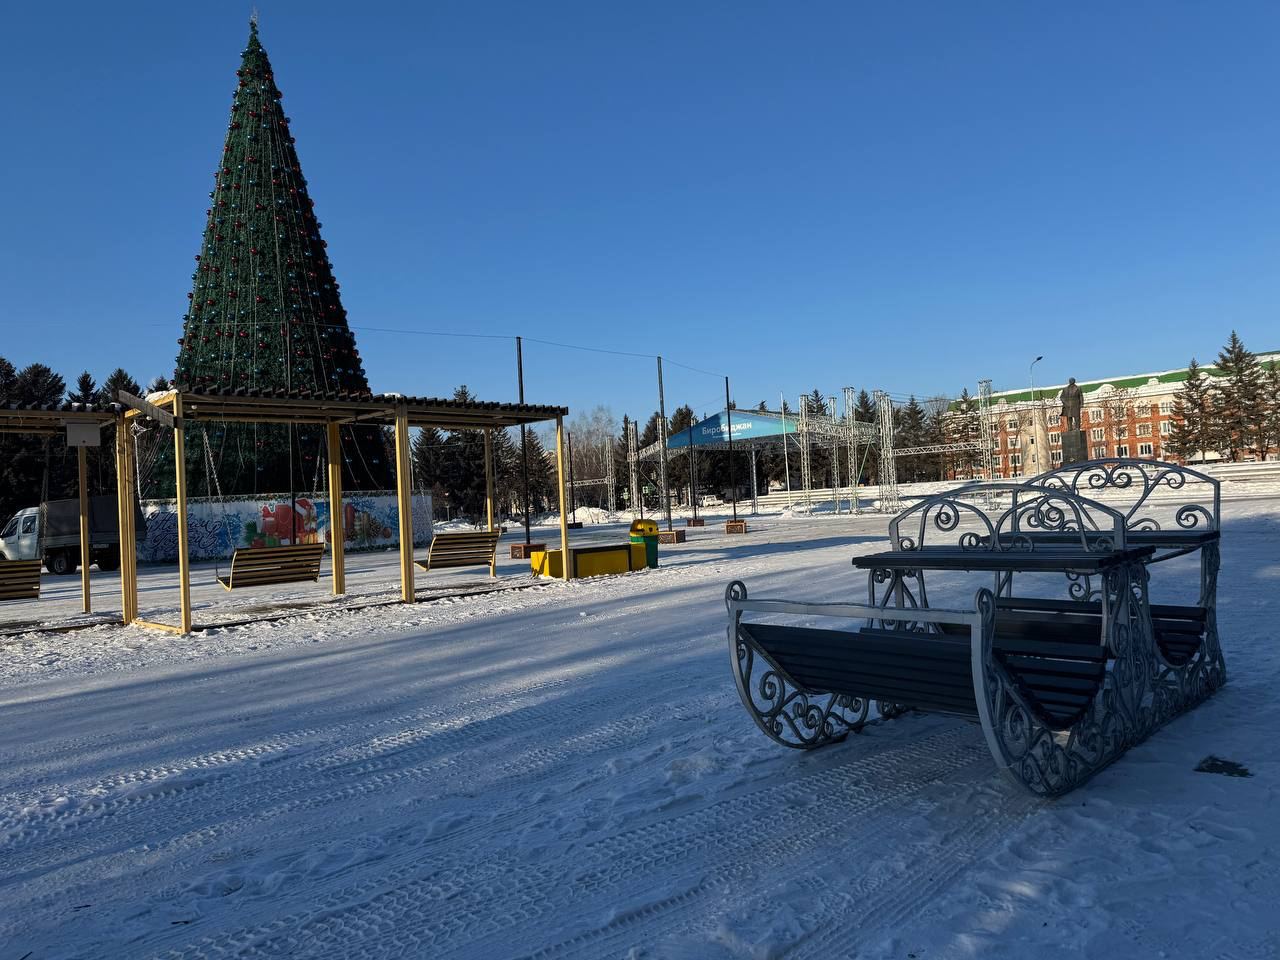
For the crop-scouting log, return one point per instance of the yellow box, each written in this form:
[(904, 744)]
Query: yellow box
[(589, 561)]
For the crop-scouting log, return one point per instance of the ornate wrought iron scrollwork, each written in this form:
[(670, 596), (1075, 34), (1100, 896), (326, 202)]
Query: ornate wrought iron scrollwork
[(1137, 485), (1052, 762), (791, 716)]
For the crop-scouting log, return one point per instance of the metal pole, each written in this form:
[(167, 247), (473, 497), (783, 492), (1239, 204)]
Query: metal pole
[(693, 475), (1035, 413), (404, 500), (573, 496), (755, 498), (524, 449), (662, 437), (786, 463), (728, 413), (566, 560)]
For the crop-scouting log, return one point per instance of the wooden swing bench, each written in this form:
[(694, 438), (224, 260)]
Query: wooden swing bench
[(476, 548), (267, 566), (19, 580)]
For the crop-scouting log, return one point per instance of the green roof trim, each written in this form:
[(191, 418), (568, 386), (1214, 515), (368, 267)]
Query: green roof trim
[(1120, 383)]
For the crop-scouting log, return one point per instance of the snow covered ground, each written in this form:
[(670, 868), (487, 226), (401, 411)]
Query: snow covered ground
[(564, 770)]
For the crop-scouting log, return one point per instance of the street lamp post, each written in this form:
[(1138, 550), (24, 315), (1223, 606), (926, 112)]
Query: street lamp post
[(1035, 414)]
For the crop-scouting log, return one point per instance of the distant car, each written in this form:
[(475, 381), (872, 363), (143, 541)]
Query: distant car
[(51, 532)]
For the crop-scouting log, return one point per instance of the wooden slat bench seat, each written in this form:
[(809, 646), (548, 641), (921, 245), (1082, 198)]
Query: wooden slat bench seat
[(1179, 630), (19, 579), (266, 566), (470, 548)]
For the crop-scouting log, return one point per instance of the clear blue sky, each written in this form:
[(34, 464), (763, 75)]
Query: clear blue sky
[(909, 196)]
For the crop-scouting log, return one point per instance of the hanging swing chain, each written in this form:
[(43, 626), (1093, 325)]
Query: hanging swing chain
[(211, 472)]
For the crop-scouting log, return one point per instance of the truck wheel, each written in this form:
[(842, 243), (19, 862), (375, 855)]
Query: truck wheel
[(60, 563), (109, 560)]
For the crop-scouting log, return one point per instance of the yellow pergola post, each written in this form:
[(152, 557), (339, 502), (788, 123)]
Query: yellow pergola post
[(82, 463), (127, 478), (566, 563), (180, 487), (488, 492), (337, 527), (122, 508), (405, 503)]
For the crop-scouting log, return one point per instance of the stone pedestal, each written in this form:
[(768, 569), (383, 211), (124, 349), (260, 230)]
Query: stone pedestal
[(671, 536), (735, 526), (1075, 447), (523, 551), (694, 522)]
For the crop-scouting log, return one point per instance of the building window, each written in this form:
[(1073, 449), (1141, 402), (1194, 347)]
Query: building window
[(1097, 433), (1011, 424), (1145, 450), (997, 461), (1166, 407), (1056, 457), (1015, 460), (1144, 409), (1122, 433), (1144, 429), (1166, 427), (1122, 450), (1013, 443), (1099, 451), (1095, 414), (1055, 419), (1055, 439)]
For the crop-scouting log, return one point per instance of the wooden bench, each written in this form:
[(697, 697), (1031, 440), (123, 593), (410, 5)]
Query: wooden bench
[(266, 566), (478, 548), (19, 580)]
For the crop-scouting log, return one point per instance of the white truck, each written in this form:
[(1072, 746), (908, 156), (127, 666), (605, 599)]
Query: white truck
[(51, 532)]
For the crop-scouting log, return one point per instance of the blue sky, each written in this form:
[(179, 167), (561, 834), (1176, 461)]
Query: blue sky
[(906, 196)]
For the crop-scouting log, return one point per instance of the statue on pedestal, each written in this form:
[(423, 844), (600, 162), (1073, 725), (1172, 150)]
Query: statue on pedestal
[(1074, 448), (1072, 398)]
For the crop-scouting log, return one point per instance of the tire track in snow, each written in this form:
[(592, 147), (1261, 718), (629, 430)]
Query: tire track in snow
[(455, 903)]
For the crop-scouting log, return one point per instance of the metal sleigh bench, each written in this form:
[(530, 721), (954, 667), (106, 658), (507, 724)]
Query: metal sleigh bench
[(1060, 688)]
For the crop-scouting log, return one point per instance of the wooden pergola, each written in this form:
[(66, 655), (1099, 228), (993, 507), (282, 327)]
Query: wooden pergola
[(62, 419), (181, 406)]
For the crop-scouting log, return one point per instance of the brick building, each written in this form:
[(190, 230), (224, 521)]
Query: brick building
[(1129, 416)]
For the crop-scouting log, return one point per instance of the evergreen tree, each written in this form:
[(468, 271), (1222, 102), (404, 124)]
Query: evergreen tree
[(158, 385), (37, 383), (508, 488), (910, 432), (86, 390), (462, 467), (265, 310), (542, 474), (1242, 418), (1271, 391), (1193, 433), (8, 382)]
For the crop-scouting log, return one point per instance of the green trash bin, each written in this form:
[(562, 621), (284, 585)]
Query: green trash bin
[(646, 532)]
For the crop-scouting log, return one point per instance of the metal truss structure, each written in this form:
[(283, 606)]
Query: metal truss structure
[(837, 433)]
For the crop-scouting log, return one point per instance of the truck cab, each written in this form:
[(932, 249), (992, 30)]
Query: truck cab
[(20, 538)]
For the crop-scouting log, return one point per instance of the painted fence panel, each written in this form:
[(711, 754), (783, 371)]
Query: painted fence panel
[(215, 529)]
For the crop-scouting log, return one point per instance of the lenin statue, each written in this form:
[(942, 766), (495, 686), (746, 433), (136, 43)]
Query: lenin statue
[(1073, 442), (1071, 400)]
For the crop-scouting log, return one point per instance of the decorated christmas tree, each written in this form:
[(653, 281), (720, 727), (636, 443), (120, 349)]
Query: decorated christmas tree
[(264, 311)]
